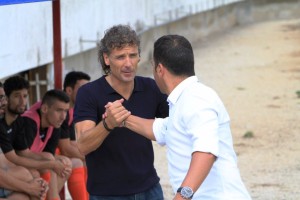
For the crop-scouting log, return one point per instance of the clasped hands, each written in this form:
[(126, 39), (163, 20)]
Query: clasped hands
[(38, 188), (116, 114), (62, 168)]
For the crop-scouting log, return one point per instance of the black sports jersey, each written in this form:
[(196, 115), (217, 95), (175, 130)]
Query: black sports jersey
[(12, 137), (31, 131), (67, 127)]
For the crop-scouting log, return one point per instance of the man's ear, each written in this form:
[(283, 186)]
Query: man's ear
[(69, 90), (44, 108), (106, 59), (160, 69)]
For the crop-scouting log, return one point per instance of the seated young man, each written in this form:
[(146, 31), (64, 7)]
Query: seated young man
[(19, 131), (17, 182), (67, 144)]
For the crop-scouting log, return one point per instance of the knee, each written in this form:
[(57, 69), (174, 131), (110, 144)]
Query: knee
[(17, 195), (67, 162), (76, 162), (35, 173), (22, 173)]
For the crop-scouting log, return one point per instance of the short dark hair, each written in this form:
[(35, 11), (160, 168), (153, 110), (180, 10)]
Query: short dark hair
[(15, 83), (72, 77), (114, 38), (1, 85), (52, 95), (175, 52)]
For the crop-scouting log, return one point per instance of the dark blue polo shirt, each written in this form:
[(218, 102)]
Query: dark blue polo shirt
[(123, 164)]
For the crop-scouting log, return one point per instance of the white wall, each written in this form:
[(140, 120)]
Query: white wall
[(26, 29)]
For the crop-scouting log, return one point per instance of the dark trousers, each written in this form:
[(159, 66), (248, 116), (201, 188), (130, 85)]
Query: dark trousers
[(154, 193)]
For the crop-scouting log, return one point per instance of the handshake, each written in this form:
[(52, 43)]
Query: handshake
[(115, 115)]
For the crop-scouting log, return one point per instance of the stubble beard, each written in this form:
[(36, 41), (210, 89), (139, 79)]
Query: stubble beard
[(14, 111)]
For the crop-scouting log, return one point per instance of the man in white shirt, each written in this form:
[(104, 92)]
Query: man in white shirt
[(201, 159)]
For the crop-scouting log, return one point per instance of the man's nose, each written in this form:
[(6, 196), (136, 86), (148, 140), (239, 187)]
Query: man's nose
[(23, 100), (128, 61), (64, 115)]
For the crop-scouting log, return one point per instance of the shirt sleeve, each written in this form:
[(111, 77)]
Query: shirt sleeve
[(160, 129), (30, 130), (72, 132), (53, 141), (5, 142), (65, 132), (15, 139), (19, 139), (85, 106), (202, 127)]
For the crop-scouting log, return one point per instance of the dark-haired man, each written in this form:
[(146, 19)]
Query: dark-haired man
[(42, 124), (202, 163), (17, 182), (120, 163), (15, 141), (67, 144)]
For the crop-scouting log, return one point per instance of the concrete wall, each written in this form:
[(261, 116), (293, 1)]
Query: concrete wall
[(200, 25), (197, 27), (26, 40), (16, 50)]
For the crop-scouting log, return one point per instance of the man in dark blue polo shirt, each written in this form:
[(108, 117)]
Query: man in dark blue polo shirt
[(120, 162)]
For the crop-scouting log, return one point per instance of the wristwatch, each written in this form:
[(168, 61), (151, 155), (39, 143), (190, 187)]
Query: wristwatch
[(185, 192)]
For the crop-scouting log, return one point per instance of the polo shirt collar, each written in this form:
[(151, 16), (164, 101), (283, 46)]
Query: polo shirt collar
[(175, 94), (137, 86)]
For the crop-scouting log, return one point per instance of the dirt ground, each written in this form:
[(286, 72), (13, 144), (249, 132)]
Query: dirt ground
[(256, 71)]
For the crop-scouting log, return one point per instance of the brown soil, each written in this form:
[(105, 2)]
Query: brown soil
[(256, 71)]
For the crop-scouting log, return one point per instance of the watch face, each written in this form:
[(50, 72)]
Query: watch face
[(186, 192)]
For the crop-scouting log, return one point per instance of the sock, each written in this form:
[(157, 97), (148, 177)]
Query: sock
[(85, 173), (57, 151), (46, 176), (85, 178), (77, 184)]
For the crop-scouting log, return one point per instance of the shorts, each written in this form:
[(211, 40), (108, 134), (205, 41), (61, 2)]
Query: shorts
[(4, 193)]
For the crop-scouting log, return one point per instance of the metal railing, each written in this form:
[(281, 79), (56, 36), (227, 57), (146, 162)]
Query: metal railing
[(183, 11)]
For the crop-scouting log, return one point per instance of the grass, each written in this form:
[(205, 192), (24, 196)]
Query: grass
[(298, 93), (248, 134)]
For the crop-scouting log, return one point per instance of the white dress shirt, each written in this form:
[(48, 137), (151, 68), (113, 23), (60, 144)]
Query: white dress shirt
[(198, 121)]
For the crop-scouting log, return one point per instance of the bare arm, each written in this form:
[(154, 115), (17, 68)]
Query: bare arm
[(36, 187), (119, 114), (24, 160), (141, 126), (29, 159), (200, 166), (10, 182), (90, 136), (68, 149), (34, 155)]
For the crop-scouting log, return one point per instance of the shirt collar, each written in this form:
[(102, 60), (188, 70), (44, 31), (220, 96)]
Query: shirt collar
[(137, 86), (174, 95)]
